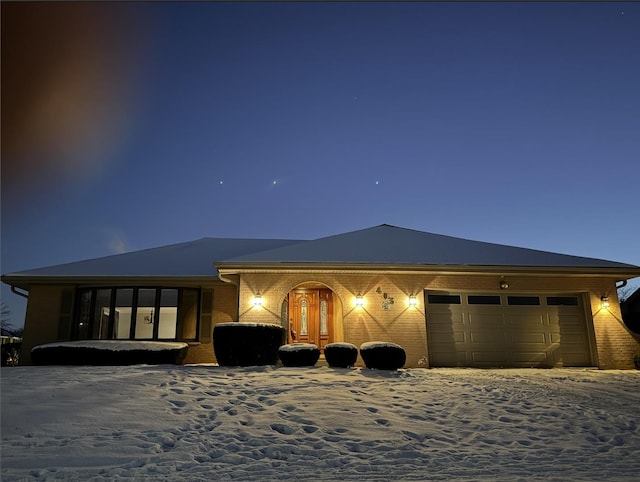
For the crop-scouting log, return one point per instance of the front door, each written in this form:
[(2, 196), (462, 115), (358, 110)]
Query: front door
[(311, 316)]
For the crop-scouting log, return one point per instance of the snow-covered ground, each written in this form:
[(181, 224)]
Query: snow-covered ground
[(267, 423)]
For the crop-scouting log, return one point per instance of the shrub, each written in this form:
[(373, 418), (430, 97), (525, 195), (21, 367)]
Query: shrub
[(247, 344), (109, 352), (340, 355), (383, 355), (299, 354)]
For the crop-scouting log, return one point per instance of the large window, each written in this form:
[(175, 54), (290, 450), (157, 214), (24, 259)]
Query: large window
[(137, 313)]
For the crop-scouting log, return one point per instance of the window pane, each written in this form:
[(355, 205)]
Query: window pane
[(168, 314), (84, 314), (523, 300), (122, 314), (324, 324), (101, 315), (303, 318), (145, 315), (484, 300), (443, 299), (188, 315), (562, 300)]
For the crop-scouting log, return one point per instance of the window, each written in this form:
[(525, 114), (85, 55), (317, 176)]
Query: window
[(137, 313), (101, 315), (303, 317), (145, 314), (562, 301), (83, 314), (168, 315), (122, 314), (484, 299), (523, 300), (324, 325), (443, 299)]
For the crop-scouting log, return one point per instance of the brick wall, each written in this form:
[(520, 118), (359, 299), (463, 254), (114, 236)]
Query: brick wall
[(42, 318), (613, 346), (225, 309), (200, 353)]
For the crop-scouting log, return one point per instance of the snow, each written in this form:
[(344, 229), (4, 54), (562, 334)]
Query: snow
[(242, 323), (342, 344), (298, 347), (116, 345), (392, 245), (268, 423), (192, 258), (378, 344)]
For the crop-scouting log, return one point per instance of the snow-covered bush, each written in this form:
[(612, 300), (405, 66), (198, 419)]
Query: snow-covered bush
[(340, 355), (299, 354), (109, 352), (383, 355), (247, 344)]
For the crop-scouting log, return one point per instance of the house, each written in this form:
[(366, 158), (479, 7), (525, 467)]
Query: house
[(449, 302)]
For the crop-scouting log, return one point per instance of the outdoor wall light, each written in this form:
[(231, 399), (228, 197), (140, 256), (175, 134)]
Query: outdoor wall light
[(605, 302), (504, 285), (413, 301), (257, 301), (359, 301)]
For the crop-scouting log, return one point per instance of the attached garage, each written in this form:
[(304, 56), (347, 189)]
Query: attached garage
[(507, 330)]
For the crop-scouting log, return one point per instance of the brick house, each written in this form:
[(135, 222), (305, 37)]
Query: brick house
[(448, 301)]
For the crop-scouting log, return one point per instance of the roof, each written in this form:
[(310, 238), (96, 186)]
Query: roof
[(391, 245), (190, 259), (382, 245)]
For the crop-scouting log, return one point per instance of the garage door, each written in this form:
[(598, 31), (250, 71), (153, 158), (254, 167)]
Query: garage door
[(500, 330)]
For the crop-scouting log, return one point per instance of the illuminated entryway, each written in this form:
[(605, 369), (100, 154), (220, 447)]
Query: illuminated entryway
[(312, 314)]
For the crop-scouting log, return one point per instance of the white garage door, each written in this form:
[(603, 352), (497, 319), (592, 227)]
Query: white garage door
[(500, 330)]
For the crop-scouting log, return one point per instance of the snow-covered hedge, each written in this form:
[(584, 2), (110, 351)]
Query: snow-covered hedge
[(109, 352), (340, 355), (299, 354), (247, 344), (383, 355)]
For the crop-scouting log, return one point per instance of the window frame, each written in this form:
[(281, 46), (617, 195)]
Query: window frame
[(444, 299), (92, 290)]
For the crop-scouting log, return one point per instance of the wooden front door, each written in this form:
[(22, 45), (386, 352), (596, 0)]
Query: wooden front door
[(311, 316)]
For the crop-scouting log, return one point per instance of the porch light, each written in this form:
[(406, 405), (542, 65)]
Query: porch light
[(359, 301), (413, 301), (257, 301), (504, 285), (605, 302)]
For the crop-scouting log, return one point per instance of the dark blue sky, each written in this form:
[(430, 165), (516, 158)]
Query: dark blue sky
[(138, 125)]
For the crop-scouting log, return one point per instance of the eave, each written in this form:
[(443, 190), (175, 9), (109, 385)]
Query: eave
[(25, 282), (337, 268)]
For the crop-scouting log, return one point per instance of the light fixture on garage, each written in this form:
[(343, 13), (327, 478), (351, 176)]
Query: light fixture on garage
[(257, 300), (413, 301), (359, 301), (605, 302), (503, 284)]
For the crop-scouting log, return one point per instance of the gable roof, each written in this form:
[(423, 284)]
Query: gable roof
[(390, 245), (381, 246)]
